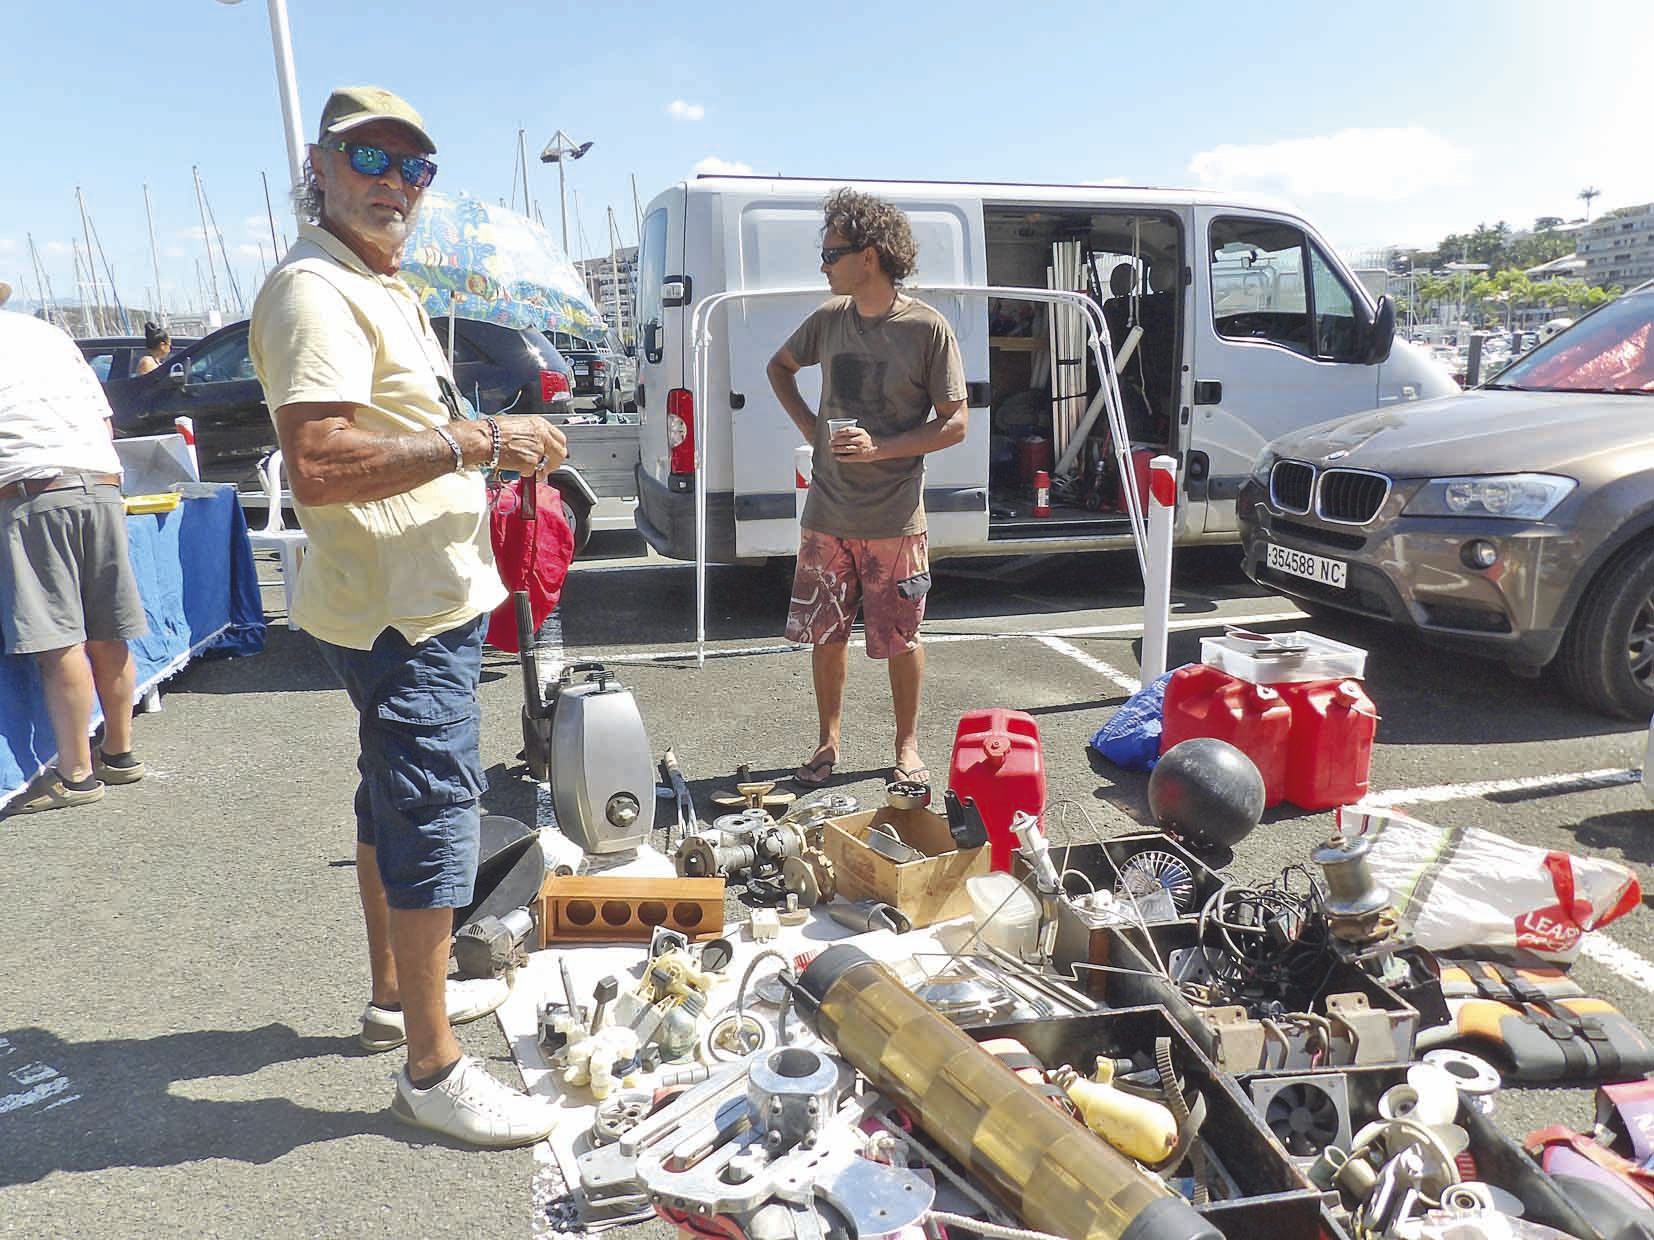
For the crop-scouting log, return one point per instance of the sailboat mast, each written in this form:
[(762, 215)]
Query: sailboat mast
[(114, 294), (637, 214), (97, 292), (270, 211), (229, 271), (155, 261), (206, 238)]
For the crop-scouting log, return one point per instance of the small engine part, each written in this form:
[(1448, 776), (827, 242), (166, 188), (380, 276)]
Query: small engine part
[(866, 916), (810, 876), (664, 939), (735, 1035), (906, 794), (791, 914), (765, 925), (813, 814), (618, 1114), (716, 955), (488, 946), (1477, 1080), (1152, 870)]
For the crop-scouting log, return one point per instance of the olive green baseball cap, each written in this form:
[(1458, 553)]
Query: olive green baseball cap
[(351, 106)]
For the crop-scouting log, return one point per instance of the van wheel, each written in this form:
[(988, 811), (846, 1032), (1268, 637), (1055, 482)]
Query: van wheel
[(578, 513), (1607, 655)]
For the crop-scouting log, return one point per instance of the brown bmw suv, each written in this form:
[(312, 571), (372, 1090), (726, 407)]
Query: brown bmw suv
[(1515, 520)]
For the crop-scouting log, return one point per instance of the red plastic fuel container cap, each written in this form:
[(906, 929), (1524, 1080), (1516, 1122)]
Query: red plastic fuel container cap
[(996, 747)]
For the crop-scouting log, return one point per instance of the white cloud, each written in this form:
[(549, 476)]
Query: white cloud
[(8, 245), (682, 110), (249, 250), (256, 225), (190, 234), (174, 251), (57, 247), (713, 166), (1382, 164)]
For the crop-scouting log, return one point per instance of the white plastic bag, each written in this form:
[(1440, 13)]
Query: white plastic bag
[(1466, 888)]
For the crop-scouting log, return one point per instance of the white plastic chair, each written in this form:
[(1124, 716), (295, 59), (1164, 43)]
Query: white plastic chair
[(275, 536)]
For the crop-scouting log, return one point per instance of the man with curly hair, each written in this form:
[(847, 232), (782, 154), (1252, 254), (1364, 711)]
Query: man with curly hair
[(892, 390)]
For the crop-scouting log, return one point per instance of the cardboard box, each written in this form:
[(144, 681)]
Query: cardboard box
[(928, 890)]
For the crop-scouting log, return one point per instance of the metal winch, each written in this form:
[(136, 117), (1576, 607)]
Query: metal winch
[(1357, 906)]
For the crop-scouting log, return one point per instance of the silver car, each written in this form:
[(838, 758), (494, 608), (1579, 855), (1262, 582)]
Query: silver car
[(1514, 521)]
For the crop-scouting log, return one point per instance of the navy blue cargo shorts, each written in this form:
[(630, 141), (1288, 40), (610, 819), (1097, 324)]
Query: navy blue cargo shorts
[(420, 727)]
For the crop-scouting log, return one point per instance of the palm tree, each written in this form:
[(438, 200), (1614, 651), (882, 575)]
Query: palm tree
[(1588, 193)]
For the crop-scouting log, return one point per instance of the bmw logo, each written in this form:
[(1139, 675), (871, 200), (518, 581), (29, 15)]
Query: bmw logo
[(1338, 455)]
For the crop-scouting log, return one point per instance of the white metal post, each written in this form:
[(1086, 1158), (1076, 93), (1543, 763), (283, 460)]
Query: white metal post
[(287, 85), (1157, 578)]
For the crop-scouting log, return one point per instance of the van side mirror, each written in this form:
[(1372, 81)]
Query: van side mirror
[(176, 374), (652, 349), (1381, 335)]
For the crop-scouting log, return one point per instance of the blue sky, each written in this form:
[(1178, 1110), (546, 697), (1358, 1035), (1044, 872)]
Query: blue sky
[(1386, 123)]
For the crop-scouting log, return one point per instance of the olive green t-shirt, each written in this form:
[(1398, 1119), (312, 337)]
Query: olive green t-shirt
[(888, 373)]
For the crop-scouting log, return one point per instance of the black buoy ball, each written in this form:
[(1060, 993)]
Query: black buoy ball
[(1207, 792)]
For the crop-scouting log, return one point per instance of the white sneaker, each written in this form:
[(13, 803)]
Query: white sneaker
[(472, 1106), (468, 999)]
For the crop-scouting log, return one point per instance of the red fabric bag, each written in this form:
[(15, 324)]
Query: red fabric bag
[(532, 552)]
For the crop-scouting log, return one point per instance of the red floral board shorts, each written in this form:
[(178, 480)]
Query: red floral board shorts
[(886, 578)]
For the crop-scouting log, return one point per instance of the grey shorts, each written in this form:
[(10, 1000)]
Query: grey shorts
[(64, 573)]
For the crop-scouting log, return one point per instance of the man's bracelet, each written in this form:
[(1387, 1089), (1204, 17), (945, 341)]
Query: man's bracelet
[(493, 446), (453, 446)]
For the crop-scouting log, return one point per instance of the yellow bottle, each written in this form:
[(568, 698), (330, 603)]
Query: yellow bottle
[(1139, 1127)]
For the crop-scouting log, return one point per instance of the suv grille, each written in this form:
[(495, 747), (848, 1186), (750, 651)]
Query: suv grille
[(1289, 485), (1351, 496)]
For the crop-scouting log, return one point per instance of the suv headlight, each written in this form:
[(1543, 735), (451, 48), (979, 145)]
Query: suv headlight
[(1518, 497), (1261, 467)]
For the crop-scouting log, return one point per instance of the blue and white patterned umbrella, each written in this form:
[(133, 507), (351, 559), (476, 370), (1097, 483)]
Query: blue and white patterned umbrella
[(505, 267)]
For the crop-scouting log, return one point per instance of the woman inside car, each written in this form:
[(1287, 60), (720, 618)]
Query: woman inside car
[(157, 344)]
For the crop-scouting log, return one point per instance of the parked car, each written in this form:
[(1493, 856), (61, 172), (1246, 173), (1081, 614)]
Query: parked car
[(117, 356), (1514, 521), (598, 373), (498, 369)]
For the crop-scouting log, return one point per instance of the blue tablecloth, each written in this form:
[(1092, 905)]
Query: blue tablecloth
[(200, 587)]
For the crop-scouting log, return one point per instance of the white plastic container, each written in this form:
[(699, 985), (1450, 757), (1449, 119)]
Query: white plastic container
[(1282, 658), (1006, 913)]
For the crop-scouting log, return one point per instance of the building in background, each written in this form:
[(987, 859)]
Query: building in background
[(612, 281), (1618, 246)]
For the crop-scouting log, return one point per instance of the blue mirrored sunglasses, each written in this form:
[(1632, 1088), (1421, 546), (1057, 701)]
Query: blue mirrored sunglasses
[(371, 161)]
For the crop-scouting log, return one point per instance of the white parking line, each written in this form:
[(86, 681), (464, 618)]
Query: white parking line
[(1178, 624), (1129, 683), (1622, 960), (1536, 785)]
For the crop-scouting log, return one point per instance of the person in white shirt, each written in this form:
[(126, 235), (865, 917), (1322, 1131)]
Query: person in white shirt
[(67, 594)]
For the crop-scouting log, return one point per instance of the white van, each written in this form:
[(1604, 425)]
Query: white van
[(1250, 326)]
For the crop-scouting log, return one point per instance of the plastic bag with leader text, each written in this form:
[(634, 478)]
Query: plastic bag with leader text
[(1466, 889)]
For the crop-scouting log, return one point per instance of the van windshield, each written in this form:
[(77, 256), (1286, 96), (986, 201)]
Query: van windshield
[(1605, 352)]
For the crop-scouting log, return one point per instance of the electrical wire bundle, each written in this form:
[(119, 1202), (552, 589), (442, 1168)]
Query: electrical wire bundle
[(1267, 947)]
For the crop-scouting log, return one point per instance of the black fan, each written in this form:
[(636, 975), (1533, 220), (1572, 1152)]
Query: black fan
[(1304, 1118)]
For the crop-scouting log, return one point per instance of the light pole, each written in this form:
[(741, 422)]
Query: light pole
[(287, 86), (560, 149)]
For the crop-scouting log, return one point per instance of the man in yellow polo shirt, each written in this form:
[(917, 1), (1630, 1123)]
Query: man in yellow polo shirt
[(387, 477)]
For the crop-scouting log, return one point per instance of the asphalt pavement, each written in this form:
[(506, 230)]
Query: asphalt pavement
[(184, 972)]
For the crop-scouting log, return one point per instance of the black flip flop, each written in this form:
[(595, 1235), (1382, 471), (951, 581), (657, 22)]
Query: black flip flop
[(814, 774)]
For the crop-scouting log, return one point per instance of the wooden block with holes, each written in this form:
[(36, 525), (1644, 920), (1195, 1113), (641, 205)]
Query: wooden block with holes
[(616, 909)]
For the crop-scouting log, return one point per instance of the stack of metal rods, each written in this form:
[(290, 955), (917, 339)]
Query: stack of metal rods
[(1067, 341)]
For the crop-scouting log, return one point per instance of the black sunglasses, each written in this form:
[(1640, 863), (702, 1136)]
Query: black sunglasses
[(371, 161), (831, 256)]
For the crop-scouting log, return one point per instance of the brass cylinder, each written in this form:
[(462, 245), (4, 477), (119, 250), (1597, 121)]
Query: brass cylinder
[(1041, 1164)]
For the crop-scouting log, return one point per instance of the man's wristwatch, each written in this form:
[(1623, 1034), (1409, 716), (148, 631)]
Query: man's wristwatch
[(453, 446)]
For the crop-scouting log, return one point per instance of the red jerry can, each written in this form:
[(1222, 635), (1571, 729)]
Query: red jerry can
[(1202, 700), (1333, 724), (998, 760)]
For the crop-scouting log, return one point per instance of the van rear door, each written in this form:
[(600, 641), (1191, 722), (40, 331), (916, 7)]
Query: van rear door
[(773, 241), (661, 328), (1279, 330)]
